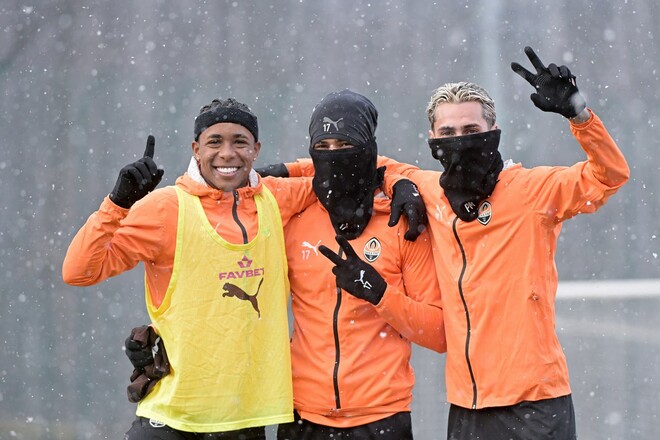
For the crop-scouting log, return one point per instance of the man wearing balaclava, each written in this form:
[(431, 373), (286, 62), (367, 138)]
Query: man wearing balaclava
[(361, 292), (495, 226), (345, 181), (345, 178)]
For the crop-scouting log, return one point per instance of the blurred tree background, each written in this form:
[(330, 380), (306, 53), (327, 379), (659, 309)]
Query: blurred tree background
[(84, 82)]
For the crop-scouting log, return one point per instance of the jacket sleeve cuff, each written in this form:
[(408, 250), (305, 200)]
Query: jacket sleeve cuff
[(113, 210), (585, 124)]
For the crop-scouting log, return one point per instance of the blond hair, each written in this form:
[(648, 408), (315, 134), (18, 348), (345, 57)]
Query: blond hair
[(462, 92)]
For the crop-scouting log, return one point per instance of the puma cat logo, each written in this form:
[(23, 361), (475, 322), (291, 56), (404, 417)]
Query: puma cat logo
[(307, 244), (235, 291), (366, 284), (327, 122)]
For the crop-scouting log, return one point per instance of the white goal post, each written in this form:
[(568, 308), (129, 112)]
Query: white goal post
[(639, 288)]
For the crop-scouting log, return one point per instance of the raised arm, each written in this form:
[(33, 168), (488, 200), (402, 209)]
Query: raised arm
[(585, 186), (99, 251)]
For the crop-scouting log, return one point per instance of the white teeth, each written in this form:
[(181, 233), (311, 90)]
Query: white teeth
[(227, 170)]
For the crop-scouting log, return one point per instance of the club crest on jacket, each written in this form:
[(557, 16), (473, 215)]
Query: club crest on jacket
[(372, 249), (485, 213)]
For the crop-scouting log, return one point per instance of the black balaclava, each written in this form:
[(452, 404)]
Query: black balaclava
[(345, 180), (472, 164)]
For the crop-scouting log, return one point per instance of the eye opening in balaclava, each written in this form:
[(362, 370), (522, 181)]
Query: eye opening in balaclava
[(345, 180)]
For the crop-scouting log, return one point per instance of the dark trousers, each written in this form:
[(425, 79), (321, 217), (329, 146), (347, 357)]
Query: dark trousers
[(550, 419), (396, 427), (146, 429)]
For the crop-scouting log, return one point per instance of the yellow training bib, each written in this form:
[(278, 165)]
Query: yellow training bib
[(224, 324)]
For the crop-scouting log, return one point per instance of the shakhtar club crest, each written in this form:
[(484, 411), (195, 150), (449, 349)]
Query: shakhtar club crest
[(485, 213)]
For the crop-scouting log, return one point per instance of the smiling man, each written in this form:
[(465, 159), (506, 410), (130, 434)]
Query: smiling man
[(225, 145), (212, 246)]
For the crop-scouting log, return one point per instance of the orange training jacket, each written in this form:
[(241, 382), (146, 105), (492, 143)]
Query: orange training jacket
[(101, 249), (498, 274), (351, 359)]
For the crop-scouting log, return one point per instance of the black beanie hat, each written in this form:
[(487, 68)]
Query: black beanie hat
[(229, 110), (344, 115), (345, 179)]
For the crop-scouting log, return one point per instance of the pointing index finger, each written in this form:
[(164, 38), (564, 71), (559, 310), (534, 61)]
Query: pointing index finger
[(151, 146)]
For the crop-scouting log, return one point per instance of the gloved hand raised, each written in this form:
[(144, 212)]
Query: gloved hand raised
[(355, 276), (140, 354), (137, 179), (556, 90), (406, 200)]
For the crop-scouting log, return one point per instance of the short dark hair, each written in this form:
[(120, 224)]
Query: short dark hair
[(226, 103)]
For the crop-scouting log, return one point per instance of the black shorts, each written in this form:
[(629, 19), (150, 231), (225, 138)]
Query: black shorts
[(146, 429), (550, 419), (395, 427)]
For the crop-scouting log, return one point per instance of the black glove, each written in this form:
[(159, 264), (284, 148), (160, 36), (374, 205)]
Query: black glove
[(137, 179), (355, 276), (406, 200), (140, 354), (556, 90), (274, 170)]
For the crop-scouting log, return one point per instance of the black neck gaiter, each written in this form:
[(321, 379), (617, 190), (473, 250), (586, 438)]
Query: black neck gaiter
[(344, 182), (472, 164)]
